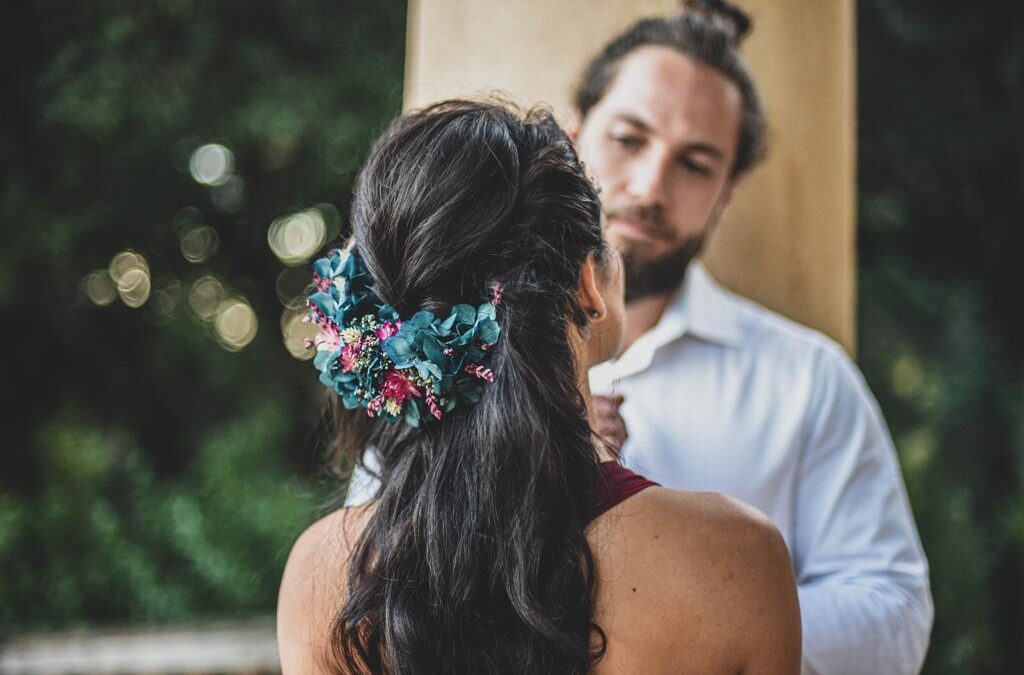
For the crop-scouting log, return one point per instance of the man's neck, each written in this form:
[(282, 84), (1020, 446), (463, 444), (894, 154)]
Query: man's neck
[(642, 315)]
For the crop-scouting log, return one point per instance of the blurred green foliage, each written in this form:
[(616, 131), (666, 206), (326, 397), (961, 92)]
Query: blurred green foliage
[(941, 87), (148, 474), (116, 542)]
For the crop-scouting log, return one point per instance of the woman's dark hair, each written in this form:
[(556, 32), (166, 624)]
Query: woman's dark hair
[(708, 31), (475, 559)]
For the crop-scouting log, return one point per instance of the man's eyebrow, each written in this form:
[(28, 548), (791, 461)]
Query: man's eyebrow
[(697, 146), (706, 148), (633, 120)]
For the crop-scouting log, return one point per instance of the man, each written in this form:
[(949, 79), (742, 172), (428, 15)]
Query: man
[(719, 393)]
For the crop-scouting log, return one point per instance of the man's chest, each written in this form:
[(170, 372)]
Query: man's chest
[(718, 421)]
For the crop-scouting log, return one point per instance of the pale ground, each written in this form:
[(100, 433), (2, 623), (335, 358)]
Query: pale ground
[(239, 647)]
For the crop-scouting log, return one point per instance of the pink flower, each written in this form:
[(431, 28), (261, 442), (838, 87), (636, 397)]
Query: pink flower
[(349, 354), (322, 283), (477, 370), (328, 339), (497, 290), (435, 410), (315, 313), (398, 388), (386, 331), (373, 409)]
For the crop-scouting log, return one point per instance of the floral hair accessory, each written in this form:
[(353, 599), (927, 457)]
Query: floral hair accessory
[(412, 369)]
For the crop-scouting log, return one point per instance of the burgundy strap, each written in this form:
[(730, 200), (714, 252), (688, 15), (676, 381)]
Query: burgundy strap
[(615, 484)]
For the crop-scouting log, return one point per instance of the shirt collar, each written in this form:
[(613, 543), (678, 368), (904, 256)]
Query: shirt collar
[(710, 311), (700, 308)]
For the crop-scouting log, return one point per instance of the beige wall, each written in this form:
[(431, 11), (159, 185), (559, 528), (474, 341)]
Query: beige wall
[(788, 238)]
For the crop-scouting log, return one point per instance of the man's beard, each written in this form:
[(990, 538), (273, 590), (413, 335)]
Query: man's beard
[(662, 275)]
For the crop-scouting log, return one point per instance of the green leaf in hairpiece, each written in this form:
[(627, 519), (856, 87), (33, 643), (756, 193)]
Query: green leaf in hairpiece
[(486, 311), (422, 319), (444, 329), (399, 350), (466, 314), (487, 331)]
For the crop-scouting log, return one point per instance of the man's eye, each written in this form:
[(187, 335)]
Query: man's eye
[(627, 142), (695, 167)]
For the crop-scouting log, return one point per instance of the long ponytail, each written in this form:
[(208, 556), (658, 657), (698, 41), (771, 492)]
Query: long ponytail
[(475, 559)]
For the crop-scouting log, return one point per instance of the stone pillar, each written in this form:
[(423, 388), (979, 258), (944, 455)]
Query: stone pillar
[(788, 240)]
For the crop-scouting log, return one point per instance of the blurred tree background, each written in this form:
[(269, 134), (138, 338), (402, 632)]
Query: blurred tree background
[(159, 445), (941, 329), (168, 168)]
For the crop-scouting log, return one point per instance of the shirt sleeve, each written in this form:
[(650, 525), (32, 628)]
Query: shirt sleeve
[(862, 574)]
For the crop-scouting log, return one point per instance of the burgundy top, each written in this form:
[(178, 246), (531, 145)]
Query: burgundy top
[(616, 484)]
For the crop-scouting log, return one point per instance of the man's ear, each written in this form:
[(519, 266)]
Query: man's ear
[(589, 293), (572, 125)]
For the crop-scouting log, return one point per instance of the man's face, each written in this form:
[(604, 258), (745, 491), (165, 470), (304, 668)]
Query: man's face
[(661, 145)]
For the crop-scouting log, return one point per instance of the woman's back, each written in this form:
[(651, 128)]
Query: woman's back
[(686, 583)]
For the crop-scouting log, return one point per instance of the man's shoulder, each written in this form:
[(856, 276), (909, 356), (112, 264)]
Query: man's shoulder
[(767, 331)]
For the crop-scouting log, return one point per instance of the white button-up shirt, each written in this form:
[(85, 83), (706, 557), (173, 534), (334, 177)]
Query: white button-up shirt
[(723, 395)]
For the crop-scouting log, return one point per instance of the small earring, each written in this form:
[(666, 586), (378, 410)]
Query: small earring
[(595, 314)]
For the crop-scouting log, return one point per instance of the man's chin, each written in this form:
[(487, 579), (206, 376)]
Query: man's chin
[(646, 277)]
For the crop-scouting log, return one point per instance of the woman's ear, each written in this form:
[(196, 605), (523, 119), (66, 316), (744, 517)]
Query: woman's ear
[(589, 293), (572, 125)]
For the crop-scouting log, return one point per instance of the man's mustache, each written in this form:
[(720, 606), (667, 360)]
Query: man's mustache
[(650, 217)]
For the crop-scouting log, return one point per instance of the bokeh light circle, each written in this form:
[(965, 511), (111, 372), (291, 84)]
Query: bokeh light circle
[(134, 286), (187, 218), (124, 262), (205, 296), (295, 332), (165, 297), (295, 238), (199, 244), (293, 285), (129, 272), (211, 164), (99, 288), (235, 324)]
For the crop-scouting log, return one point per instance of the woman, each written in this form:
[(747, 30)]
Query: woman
[(505, 538)]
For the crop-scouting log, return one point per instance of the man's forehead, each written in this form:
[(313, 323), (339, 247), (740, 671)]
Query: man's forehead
[(673, 95)]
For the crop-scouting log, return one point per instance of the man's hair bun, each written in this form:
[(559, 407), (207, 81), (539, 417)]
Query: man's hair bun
[(738, 21)]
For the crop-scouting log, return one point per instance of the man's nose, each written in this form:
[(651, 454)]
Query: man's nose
[(647, 180)]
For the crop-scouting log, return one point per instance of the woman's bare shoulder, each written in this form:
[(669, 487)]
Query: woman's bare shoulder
[(735, 523), (313, 588), (695, 526), (672, 564)]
